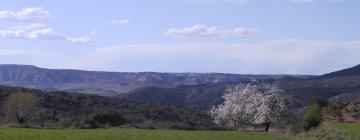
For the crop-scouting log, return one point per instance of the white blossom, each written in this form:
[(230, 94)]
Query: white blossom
[(251, 104)]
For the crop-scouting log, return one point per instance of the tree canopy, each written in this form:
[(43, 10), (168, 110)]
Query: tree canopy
[(251, 105)]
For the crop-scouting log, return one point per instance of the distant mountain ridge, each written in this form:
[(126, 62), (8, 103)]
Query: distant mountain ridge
[(110, 83), (353, 71)]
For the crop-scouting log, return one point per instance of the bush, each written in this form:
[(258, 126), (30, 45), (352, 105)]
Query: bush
[(319, 101), (335, 108), (104, 119), (297, 127), (66, 122), (312, 117)]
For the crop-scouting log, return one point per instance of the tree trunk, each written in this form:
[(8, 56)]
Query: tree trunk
[(267, 126)]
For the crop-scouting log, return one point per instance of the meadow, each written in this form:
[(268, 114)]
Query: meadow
[(145, 134), (352, 129), (133, 134)]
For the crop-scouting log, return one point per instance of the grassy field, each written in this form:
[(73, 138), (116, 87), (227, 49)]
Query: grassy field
[(141, 134), (133, 134), (349, 128)]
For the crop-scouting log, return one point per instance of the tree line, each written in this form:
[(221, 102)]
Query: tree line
[(253, 105)]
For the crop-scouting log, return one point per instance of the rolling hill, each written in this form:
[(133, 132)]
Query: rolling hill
[(192, 89), (62, 109), (201, 96), (342, 85), (354, 71), (109, 83)]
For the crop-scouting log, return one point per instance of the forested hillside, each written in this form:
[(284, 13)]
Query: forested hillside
[(61, 109)]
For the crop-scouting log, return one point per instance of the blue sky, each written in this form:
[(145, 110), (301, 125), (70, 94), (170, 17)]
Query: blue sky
[(228, 36)]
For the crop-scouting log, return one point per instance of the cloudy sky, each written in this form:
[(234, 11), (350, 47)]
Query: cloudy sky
[(227, 36)]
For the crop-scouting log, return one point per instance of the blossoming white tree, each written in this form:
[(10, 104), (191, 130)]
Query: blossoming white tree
[(250, 105)]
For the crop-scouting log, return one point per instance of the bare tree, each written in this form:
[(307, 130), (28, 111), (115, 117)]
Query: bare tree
[(20, 107), (250, 105)]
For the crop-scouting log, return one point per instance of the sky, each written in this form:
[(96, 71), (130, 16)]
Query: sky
[(222, 36)]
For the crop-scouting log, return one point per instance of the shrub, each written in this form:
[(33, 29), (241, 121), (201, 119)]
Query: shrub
[(104, 119), (319, 101), (312, 117), (66, 122), (335, 108), (297, 127), (21, 107)]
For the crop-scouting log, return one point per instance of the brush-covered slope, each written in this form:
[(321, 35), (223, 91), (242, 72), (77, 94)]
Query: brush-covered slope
[(202, 96), (354, 71), (56, 108), (108, 83), (342, 85)]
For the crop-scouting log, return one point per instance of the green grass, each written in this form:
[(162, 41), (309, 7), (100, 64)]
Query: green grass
[(142, 134), (349, 128), (133, 134)]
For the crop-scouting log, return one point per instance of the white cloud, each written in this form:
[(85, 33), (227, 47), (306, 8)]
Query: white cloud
[(81, 40), (31, 14), (213, 31), (10, 52), (38, 32), (120, 22), (31, 32), (291, 56)]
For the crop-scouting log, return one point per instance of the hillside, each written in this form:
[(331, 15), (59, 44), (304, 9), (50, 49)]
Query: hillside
[(201, 96), (342, 85), (354, 71), (345, 112), (190, 89), (61, 109), (109, 83)]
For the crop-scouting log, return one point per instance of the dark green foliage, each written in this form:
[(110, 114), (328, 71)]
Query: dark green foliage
[(319, 101), (353, 108), (297, 127), (335, 84), (312, 117), (335, 108), (61, 109), (204, 96), (110, 117), (201, 96), (66, 123), (104, 119)]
